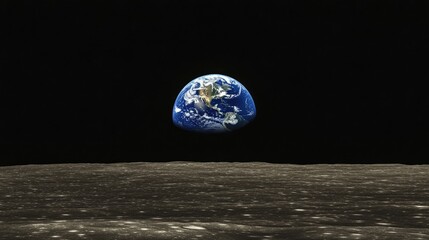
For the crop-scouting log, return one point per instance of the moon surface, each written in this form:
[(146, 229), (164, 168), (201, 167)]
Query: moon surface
[(222, 201)]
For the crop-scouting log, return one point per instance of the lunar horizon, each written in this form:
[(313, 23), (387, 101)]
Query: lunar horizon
[(185, 200)]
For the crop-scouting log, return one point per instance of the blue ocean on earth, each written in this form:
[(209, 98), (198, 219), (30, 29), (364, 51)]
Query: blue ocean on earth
[(213, 103)]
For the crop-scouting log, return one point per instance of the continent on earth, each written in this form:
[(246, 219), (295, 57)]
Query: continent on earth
[(213, 103)]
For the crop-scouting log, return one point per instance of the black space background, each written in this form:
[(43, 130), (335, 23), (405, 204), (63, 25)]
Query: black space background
[(333, 81)]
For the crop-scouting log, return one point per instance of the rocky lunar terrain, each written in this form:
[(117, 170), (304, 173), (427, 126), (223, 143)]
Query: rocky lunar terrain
[(184, 200)]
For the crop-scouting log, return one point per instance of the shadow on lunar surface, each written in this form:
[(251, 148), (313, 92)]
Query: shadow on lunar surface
[(183, 200)]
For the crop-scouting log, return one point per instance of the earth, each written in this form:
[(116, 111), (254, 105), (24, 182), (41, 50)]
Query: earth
[(213, 103)]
